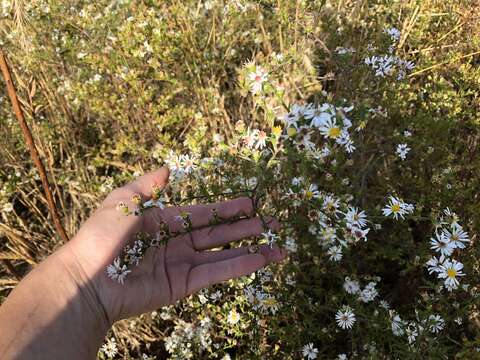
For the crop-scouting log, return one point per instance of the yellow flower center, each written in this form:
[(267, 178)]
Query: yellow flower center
[(454, 237), (308, 194), (395, 208), (334, 132), (451, 273)]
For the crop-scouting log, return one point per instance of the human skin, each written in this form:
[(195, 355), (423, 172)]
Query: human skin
[(64, 307)]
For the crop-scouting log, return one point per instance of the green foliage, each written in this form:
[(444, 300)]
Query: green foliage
[(115, 88)]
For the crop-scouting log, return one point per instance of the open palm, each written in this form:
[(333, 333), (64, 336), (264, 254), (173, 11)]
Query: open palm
[(182, 266)]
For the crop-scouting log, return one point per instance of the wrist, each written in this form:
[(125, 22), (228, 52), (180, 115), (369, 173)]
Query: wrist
[(53, 308)]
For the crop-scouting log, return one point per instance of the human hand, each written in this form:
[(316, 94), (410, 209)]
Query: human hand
[(172, 271)]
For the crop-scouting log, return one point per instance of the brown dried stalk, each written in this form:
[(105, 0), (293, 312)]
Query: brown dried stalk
[(31, 146)]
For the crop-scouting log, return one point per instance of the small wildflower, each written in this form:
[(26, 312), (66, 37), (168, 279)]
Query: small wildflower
[(110, 348), (436, 323), (345, 318), (397, 325), (396, 208), (309, 351), (442, 245), (233, 317), (335, 253), (117, 272), (256, 79), (450, 270), (402, 151)]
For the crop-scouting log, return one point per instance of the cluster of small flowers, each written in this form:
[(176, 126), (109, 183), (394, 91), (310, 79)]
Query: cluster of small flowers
[(132, 255), (397, 207), (255, 139), (334, 228), (304, 121), (433, 323), (180, 165), (187, 339), (256, 295), (342, 50), (368, 294), (449, 236), (386, 65)]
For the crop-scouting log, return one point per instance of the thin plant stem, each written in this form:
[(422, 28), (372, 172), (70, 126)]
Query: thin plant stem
[(31, 146)]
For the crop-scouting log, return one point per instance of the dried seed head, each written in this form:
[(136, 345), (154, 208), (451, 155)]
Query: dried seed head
[(122, 207), (136, 199), (156, 192)]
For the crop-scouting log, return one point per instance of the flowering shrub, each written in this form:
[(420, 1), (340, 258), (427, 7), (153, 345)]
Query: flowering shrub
[(347, 122)]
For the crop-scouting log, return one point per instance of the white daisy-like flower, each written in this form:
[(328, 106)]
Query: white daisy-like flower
[(297, 181), (261, 140), (256, 79), (398, 325), (117, 272), (335, 253), (436, 323), (354, 217), (451, 217), (189, 163), (393, 32), (233, 317), (345, 318), (309, 351), (457, 237), (330, 129), (312, 192), (384, 304), (434, 264), (351, 286), (442, 245), (271, 237), (320, 115), (330, 203), (407, 133), (450, 270), (402, 151), (396, 208), (110, 348), (412, 332), (250, 138)]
